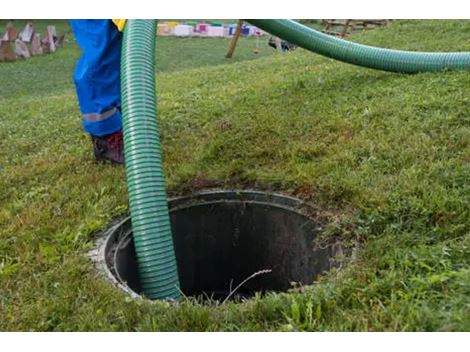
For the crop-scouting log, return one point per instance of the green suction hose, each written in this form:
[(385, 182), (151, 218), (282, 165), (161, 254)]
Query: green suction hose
[(363, 55), (153, 240)]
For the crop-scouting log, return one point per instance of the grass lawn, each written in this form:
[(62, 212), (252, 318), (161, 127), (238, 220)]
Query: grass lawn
[(52, 74), (386, 157)]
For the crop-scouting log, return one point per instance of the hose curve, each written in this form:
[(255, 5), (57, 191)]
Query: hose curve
[(363, 55)]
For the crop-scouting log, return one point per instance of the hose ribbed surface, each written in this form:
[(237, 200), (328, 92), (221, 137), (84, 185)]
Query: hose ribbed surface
[(145, 178), (363, 55)]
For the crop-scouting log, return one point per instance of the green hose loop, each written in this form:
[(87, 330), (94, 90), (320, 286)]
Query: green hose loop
[(153, 239), (363, 55)]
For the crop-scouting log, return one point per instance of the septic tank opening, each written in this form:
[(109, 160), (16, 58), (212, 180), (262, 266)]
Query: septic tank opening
[(223, 237)]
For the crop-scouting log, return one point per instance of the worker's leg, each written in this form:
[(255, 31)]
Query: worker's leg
[(97, 75)]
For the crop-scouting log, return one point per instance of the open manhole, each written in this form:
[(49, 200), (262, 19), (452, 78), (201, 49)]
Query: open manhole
[(223, 237)]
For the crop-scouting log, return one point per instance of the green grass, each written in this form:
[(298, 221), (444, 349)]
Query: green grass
[(52, 74), (385, 156)]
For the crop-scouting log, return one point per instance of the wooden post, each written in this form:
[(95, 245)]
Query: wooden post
[(278, 43), (6, 51), (21, 50), (36, 48), (49, 38), (233, 43), (348, 28), (12, 34), (26, 34)]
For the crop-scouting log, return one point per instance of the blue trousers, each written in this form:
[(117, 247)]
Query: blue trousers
[(97, 75)]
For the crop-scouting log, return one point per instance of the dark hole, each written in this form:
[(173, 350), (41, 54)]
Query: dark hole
[(223, 238)]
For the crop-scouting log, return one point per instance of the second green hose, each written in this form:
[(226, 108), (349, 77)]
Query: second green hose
[(363, 55)]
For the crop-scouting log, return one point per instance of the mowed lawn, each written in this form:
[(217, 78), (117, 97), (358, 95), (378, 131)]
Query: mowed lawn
[(52, 74), (385, 158)]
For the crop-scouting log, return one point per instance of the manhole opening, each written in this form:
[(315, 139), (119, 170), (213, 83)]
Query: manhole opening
[(222, 238)]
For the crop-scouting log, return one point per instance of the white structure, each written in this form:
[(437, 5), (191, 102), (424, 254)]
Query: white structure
[(204, 30), (183, 30), (215, 31)]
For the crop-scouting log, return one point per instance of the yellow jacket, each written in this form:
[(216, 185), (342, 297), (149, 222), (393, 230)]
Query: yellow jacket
[(120, 24)]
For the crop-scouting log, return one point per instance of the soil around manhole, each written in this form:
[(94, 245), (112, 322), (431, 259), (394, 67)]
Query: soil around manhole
[(223, 237)]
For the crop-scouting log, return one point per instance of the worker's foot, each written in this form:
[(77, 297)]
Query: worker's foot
[(109, 148)]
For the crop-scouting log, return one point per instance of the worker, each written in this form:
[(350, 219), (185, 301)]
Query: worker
[(97, 82)]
